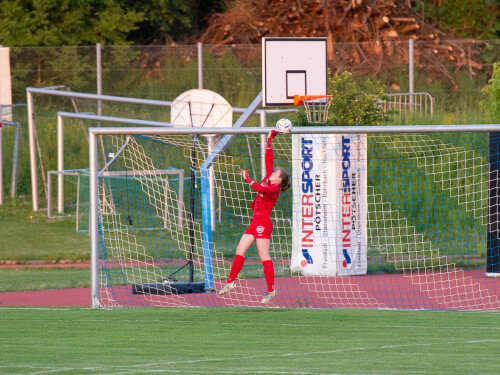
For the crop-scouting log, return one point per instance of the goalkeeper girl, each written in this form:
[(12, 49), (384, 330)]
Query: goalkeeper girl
[(261, 226)]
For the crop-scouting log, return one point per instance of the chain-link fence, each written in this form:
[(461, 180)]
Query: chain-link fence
[(452, 73)]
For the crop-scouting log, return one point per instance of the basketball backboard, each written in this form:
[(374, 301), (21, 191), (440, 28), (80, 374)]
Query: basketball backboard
[(293, 66)]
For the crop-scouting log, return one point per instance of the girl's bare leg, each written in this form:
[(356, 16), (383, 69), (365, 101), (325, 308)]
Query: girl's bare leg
[(245, 242), (263, 245)]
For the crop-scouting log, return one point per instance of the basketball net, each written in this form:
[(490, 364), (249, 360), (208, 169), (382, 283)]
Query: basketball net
[(316, 107)]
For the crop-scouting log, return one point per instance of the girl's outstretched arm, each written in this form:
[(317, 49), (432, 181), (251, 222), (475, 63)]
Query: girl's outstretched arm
[(269, 153), (258, 187)]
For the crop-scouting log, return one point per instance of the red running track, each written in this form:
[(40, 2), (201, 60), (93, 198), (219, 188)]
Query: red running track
[(456, 290), (45, 298)]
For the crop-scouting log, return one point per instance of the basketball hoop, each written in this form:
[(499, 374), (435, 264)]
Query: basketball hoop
[(316, 107)]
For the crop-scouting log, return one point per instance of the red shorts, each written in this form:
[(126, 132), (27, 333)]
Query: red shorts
[(260, 228)]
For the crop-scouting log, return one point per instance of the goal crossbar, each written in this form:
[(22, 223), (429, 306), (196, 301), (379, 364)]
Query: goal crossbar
[(485, 128)]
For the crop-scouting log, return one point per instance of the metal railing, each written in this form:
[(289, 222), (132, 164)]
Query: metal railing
[(421, 103)]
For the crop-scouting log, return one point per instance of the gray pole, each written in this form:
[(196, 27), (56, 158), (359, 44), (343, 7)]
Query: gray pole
[(94, 235), (15, 161), (200, 65), (60, 164), (99, 77), (33, 165), (410, 72)]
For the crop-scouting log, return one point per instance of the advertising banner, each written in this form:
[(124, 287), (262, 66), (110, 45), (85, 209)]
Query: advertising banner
[(330, 204)]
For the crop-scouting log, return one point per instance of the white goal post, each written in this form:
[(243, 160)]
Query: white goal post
[(430, 237)]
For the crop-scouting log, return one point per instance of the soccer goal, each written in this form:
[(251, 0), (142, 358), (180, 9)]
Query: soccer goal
[(386, 217)]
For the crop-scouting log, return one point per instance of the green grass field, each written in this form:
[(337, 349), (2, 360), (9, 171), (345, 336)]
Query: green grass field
[(28, 235), (247, 341), (215, 340), (20, 278)]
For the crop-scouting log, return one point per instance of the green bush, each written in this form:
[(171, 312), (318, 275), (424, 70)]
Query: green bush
[(352, 103), (491, 94)]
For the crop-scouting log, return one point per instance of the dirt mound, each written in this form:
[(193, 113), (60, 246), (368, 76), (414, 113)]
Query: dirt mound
[(380, 30), (341, 21)]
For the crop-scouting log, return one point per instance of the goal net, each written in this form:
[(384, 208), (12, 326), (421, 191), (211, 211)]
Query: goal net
[(389, 220)]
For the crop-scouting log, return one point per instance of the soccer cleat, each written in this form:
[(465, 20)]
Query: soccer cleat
[(268, 297), (227, 288)]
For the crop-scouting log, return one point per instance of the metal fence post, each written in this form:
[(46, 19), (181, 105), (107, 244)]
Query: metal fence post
[(410, 72), (200, 65), (99, 77)]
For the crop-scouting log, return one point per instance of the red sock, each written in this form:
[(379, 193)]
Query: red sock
[(236, 268), (269, 274)]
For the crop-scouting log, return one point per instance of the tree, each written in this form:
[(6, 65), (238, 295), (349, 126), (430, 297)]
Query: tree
[(110, 22), (66, 22), (464, 18), (162, 19), (167, 20)]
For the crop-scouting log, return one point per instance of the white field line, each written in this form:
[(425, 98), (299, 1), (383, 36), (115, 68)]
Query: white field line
[(140, 369)]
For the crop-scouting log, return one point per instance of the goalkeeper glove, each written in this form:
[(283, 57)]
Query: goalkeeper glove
[(245, 175)]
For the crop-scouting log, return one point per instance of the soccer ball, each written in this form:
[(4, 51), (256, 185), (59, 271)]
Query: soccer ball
[(284, 126)]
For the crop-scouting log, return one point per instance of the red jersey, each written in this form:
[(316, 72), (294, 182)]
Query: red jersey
[(267, 194)]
